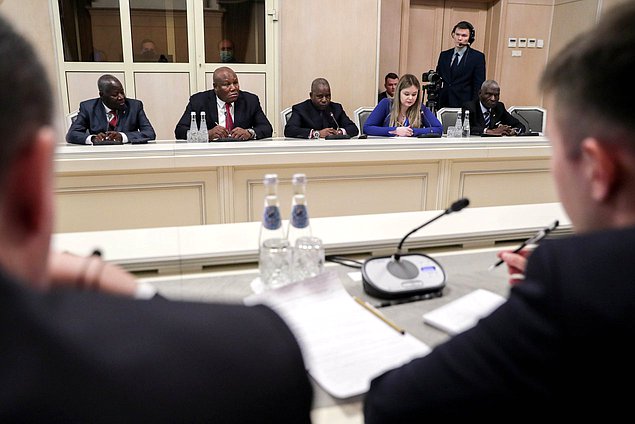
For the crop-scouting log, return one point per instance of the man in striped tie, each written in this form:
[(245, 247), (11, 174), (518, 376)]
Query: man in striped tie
[(488, 114)]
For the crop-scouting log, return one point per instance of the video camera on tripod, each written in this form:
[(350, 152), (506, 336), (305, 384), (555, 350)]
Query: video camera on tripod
[(433, 87)]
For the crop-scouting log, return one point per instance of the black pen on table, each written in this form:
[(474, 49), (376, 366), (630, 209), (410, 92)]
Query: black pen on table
[(531, 240)]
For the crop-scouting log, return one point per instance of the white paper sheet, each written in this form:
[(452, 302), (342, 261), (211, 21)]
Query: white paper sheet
[(344, 345), (464, 312)]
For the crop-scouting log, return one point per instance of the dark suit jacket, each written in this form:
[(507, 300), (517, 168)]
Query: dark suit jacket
[(79, 357), (91, 119), (381, 96), (463, 84), (305, 117), (556, 348), (498, 114), (247, 114)]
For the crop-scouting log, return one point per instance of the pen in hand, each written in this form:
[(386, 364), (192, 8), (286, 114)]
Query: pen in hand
[(532, 240)]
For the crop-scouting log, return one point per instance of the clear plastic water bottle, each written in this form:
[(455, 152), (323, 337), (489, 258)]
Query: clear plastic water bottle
[(192, 134), (466, 124), (275, 252), (299, 225), (459, 125), (203, 135), (308, 251)]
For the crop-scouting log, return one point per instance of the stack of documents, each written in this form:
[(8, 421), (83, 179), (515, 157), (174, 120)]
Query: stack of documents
[(343, 344)]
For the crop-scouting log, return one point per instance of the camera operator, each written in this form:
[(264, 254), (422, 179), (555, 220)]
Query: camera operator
[(461, 67)]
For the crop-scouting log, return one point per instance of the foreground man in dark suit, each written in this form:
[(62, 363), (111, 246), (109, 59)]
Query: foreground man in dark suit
[(318, 116), (230, 112), (110, 118), (461, 67), (558, 349), (488, 114), (79, 356)]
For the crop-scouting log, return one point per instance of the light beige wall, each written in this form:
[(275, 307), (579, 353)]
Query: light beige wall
[(570, 19), (389, 40), (518, 76), (33, 20), (333, 39)]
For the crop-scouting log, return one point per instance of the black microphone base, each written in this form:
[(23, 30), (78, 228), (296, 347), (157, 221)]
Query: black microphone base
[(413, 275)]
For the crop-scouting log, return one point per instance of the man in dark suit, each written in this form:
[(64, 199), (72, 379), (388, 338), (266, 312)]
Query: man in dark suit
[(558, 347), (488, 115), (232, 113), (318, 116), (390, 84), (111, 118), (461, 67), (80, 356)]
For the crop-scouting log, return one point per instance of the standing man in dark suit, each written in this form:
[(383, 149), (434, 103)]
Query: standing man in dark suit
[(488, 115), (229, 111), (77, 356), (111, 118), (461, 67), (318, 116), (390, 84), (558, 347)]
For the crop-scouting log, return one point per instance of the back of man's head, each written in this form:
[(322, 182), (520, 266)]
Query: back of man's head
[(589, 82), (27, 105)]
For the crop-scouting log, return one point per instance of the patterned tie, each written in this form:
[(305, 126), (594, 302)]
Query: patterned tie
[(112, 119), (229, 122), (486, 115)]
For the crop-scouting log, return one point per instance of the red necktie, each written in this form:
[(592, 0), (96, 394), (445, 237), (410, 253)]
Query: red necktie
[(229, 122), (113, 121)]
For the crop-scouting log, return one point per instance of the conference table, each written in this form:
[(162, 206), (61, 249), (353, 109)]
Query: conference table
[(166, 183), (466, 271)]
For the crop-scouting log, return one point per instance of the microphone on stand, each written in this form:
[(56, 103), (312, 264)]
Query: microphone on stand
[(335, 120), (528, 131), (405, 275), (336, 136)]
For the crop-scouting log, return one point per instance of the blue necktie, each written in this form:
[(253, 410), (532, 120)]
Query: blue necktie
[(486, 115)]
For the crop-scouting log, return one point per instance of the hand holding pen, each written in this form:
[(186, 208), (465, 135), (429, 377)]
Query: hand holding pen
[(517, 262)]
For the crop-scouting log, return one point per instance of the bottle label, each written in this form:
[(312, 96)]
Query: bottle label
[(271, 218), (300, 216)]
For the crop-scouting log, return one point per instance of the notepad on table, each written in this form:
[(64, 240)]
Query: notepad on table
[(343, 344), (464, 312)]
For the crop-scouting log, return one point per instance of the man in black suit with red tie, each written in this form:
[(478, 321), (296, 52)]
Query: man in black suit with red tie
[(461, 67), (318, 116), (488, 114), (81, 356), (230, 112), (112, 118)]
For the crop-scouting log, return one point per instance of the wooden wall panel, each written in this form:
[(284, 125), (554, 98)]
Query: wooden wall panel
[(333, 39), (154, 89), (83, 86)]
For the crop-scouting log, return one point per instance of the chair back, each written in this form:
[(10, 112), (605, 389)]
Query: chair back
[(71, 117), (284, 116), (360, 116), (535, 116), (447, 117)]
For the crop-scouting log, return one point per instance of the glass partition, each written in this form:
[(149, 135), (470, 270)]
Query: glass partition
[(159, 30), (234, 31), (91, 30)]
